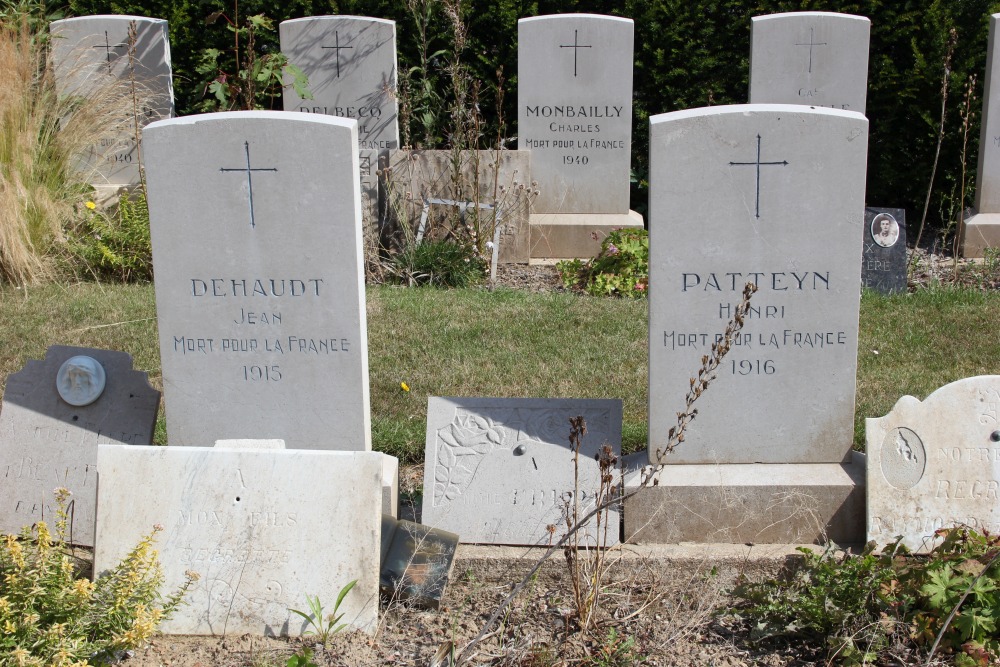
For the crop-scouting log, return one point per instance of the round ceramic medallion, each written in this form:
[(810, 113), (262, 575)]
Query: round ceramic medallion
[(904, 458), (80, 380)]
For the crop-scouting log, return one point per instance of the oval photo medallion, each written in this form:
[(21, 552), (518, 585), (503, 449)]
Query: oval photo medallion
[(904, 458), (80, 380)]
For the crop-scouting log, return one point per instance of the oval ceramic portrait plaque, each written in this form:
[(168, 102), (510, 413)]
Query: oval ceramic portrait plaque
[(80, 380), (904, 458), (885, 230)]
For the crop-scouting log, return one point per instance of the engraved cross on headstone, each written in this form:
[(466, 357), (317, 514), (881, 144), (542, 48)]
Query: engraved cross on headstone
[(249, 172), (758, 164), (576, 46), (337, 49), (811, 44), (108, 47)]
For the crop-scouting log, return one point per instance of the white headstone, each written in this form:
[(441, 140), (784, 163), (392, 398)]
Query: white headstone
[(982, 230), (350, 62), (500, 470), (91, 53), (814, 58), (263, 529), (47, 441), (256, 230), (935, 464), (770, 194), (575, 110)]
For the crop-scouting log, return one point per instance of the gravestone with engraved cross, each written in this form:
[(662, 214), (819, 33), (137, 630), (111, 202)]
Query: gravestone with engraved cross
[(350, 62), (256, 231), (773, 195), (814, 58), (100, 57), (575, 116)]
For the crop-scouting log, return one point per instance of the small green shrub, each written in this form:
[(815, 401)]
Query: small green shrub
[(115, 245), (621, 267), (440, 263), (52, 617)]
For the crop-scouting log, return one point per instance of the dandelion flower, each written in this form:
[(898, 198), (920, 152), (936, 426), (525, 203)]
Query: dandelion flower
[(404, 386), (91, 205)]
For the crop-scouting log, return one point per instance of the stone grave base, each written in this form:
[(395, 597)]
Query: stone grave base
[(982, 231), (569, 235), (763, 503)]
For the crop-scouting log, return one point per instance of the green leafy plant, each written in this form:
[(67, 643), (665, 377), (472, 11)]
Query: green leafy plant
[(324, 626), (114, 245), (615, 650), (621, 267), (439, 263), (302, 658), (51, 616)]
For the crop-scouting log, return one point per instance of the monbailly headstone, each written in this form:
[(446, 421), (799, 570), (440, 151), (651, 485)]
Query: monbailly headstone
[(350, 62), (256, 231), (935, 464), (262, 528), (814, 58), (982, 229), (883, 261), (500, 470), (91, 53), (55, 413)]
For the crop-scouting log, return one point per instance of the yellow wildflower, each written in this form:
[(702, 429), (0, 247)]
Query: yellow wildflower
[(91, 205), (404, 386)]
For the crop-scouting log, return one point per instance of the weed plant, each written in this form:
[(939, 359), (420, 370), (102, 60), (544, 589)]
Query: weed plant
[(113, 245), (621, 268), (437, 263)]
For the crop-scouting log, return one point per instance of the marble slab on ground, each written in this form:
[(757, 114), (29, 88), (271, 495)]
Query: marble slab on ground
[(255, 223), (500, 470), (813, 58), (774, 195), (883, 261), (47, 442), (91, 58), (935, 464), (350, 62), (574, 110), (263, 529)]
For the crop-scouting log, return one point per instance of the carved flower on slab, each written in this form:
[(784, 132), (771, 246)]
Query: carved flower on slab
[(461, 446)]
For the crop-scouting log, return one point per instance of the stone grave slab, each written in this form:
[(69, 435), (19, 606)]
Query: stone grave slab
[(814, 58), (351, 65), (500, 469), (417, 561), (55, 413), (263, 529), (255, 224), (883, 262), (982, 229), (935, 464), (90, 54)]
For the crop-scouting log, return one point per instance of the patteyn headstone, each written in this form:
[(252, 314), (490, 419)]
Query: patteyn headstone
[(935, 464), (814, 58), (500, 470), (91, 54), (772, 195), (350, 62), (256, 231), (575, 116), (55, 413), (883, 262), (982, 229), (263, 529)]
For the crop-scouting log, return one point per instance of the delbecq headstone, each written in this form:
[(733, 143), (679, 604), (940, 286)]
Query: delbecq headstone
[(500, 470), (813, 58), (96, 54), (258, 552), (350, 62), (883, 261), (935, 464), (255, 223), (772, 195), (982, 229), (55, 413)]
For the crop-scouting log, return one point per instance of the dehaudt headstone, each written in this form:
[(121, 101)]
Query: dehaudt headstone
[(350, 62), (813, 58), (263, 529), (935, 464), (55, 413), (500, 470), (575, 116), (883, 262), (256, 231), (982, 229), (773, 195), (103, 56)]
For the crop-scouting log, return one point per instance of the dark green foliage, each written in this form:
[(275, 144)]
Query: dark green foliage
[(438, 263), (114, 245), (621, 268)]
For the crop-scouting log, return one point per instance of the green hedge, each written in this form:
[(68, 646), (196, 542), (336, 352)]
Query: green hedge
[(688, 54)]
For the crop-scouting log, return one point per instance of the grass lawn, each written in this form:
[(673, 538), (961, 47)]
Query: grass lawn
[(473, 342)]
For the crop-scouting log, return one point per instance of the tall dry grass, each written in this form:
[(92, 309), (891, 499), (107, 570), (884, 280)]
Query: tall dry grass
[(42, 140)]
